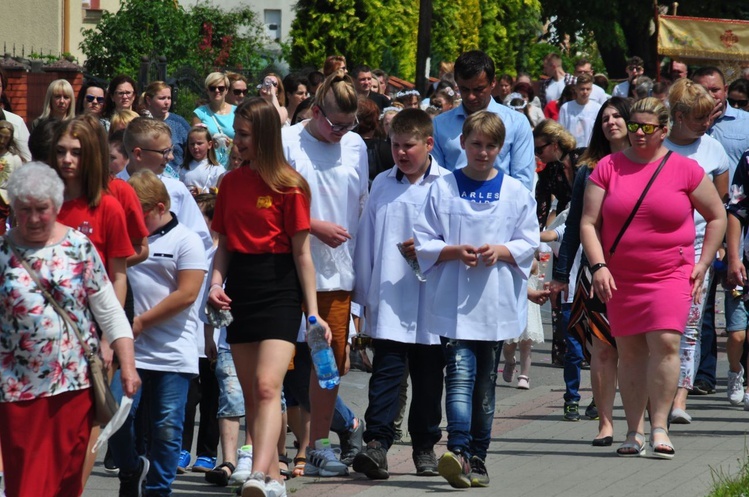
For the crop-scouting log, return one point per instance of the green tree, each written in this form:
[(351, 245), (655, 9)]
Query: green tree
[(204, 38), (508, 29)]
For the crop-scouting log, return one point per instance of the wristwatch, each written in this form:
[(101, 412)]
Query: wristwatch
[(596, 267)]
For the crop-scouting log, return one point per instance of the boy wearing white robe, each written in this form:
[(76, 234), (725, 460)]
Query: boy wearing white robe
[(475, 239), (392, 295)]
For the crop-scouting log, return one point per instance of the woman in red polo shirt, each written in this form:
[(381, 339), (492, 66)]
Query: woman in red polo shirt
[(263, 219)]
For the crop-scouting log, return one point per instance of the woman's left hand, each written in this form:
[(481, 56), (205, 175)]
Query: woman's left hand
[(697, 278)]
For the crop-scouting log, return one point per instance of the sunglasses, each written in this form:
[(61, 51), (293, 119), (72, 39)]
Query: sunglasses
[(220, 89), (540, 150), (646, 128), (91, 98), (738, 104), (237, 92), (339, 128)]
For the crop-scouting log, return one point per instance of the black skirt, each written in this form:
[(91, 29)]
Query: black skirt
[(266, 298)]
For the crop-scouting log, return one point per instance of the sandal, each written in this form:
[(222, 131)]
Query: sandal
[(285, 473), (218, 476), (662, 450), (508, 371), (299, 463), (634, 448)]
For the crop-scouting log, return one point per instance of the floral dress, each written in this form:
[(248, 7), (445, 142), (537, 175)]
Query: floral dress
[(39, 356)]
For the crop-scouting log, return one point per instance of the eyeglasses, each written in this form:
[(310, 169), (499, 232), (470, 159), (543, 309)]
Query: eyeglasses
[(91, 98), (125, 94), (540, 150), (339, 128), (165, 153), (220, 89), (646, 128), (738, 104), (237, 92)]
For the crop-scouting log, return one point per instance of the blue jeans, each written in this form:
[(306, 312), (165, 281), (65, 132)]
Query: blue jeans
[(573, 357), (425, 364), (469, 394), (167, 396)]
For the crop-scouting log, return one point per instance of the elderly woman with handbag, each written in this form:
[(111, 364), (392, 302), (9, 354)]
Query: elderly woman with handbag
[(44, 364)]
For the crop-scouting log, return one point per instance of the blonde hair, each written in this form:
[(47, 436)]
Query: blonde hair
[(281, 92), (651, 105), (216, 79), (153, 88), (57, 85), (141, 129), (485, 123), (150, 190), (269, 161), (556, 133), (689, 98), (341, 87), (121, 118)]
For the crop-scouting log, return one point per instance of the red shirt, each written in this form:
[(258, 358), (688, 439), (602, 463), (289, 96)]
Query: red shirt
[(128, 199), (254, 218), (104, 225)]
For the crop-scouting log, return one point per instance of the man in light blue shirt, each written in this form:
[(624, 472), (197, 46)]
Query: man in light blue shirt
[(730, 126), (474, 75)]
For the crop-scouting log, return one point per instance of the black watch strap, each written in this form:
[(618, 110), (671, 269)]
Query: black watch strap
[(596, 267)]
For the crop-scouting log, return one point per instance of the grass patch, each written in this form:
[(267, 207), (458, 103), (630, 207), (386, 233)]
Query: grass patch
[(727, 485)]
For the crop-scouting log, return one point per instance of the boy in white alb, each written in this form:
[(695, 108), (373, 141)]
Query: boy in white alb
[(475, 239), (334, 163), (165, 287), (392, 297), (579, 115)]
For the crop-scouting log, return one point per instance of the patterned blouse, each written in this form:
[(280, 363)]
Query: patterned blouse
[(39, 357)]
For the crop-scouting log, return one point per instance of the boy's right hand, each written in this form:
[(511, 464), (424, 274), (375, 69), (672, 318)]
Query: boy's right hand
[(467, 254), (331, 234), (409, 249)]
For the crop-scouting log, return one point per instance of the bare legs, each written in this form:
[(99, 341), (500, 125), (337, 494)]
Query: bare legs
[(603, 369)]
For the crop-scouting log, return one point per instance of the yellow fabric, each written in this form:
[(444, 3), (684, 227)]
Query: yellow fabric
[(704, 39)]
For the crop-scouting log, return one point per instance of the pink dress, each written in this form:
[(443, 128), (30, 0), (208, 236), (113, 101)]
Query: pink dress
[(655, 257)]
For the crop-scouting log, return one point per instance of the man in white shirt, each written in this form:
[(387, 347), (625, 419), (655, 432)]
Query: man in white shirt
[(558, 78), (579, 115), (597, 94)]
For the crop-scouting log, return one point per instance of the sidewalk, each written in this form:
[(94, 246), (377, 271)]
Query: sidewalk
[(534, 453)]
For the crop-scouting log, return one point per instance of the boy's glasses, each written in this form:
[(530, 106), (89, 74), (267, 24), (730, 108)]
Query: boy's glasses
[(220, 89), (339, 128), (737, 104), (646, 128), (165, 153), (91, 98)]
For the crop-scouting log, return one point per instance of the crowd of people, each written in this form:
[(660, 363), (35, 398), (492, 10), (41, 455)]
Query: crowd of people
[(194, 255)]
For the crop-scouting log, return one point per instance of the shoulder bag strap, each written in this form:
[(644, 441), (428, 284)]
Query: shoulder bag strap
[(58, 309), (639, 202)]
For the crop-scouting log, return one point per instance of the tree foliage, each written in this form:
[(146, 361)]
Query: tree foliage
[(382, 33), (205, 37)]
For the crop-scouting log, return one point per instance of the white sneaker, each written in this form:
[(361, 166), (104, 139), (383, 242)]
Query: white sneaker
[(746, 402), (735, 390), (254, 486), (275, 488), (322, 461), (244, 466)]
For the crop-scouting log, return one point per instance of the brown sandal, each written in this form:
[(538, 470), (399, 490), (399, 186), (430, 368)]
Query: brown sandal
[(299, 463)]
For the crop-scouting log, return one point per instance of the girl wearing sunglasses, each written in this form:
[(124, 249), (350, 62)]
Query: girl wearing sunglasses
[(217, 115), (651, 281)]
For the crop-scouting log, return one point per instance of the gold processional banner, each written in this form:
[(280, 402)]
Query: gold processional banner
[(704, 39)]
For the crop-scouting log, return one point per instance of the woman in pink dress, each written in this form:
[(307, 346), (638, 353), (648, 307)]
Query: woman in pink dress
[(651, 280)]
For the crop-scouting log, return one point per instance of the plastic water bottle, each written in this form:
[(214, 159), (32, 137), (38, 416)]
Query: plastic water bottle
[(322, 356)]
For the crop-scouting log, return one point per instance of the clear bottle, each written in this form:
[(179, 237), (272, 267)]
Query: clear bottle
[(322, 356)]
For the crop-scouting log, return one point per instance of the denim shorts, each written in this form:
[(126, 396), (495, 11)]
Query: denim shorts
[(230, 398), (736, 319)]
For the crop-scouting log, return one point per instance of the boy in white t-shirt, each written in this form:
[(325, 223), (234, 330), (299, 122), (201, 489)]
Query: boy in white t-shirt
[(165, 287), (392, 295), (475, 239), (579, 115)]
